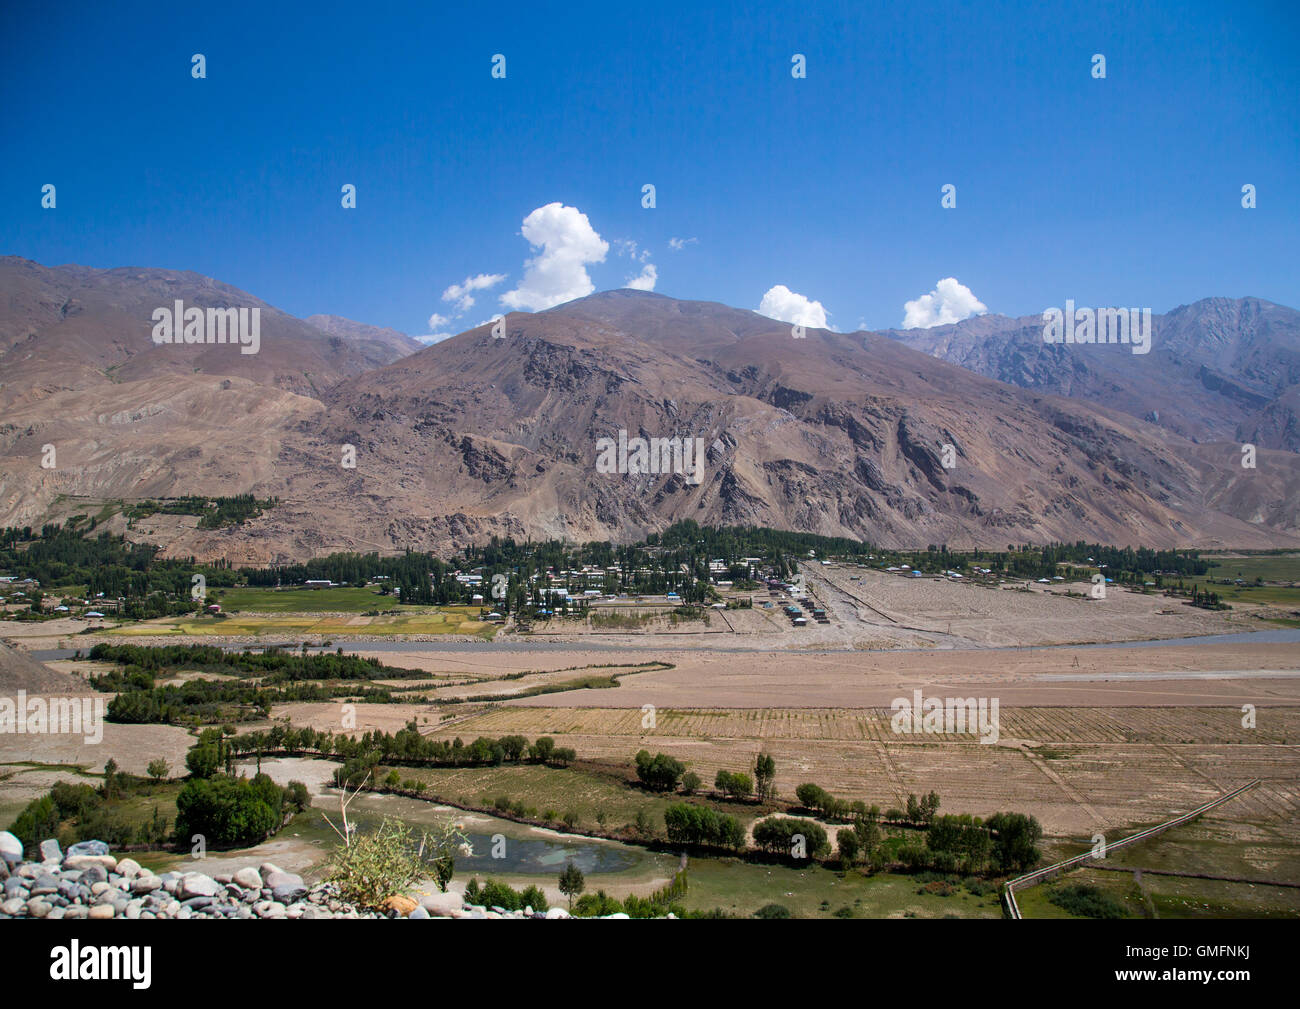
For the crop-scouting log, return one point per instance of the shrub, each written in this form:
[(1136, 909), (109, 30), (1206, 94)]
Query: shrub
[(660, 772), (376, 865), (1085, 900), (773, 911), (777, 836), (297, 796), (533, 897), (227, 811)]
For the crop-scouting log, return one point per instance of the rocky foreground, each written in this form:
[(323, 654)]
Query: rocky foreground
[(86, 881)]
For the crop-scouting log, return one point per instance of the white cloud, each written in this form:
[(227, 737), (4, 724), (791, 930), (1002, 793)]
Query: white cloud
[(950, 301), (784, 304), (627, 247), (432, 338), (437, 321), (677, 244), (462, 294), (646, 280), (558, 273)]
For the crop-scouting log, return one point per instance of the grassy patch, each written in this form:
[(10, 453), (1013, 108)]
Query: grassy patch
[(742, 888)]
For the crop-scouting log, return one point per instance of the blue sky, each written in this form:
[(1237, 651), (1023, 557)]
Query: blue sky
[(1122, 191)]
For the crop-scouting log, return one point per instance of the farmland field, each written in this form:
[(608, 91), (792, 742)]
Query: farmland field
[(418, 621)]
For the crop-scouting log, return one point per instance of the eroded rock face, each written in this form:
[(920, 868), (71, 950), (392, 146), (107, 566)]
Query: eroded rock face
[(838, 434)]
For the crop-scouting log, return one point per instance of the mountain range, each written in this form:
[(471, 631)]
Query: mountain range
[(972, 434)]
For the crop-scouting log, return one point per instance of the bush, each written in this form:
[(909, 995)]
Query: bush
[(376, 865), (777, 837), (1085, 900), (590, 905), (660, 772), (773, 911), (228, 811), (690, 824), (497, 894), (533, 897)]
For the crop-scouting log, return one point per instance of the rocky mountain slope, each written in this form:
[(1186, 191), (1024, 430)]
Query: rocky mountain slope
[(1221, 369), (840, 434)]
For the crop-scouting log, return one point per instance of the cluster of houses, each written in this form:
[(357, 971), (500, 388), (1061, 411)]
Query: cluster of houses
[(19, 592), (796, 610)]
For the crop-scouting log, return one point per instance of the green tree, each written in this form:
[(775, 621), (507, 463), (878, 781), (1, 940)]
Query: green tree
[(158, 769), (572, 882), (765, 776), (202, 761), (849, 846)]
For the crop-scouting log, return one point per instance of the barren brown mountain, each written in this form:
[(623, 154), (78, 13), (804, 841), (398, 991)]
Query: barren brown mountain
[(839, 434), (1221, 369)]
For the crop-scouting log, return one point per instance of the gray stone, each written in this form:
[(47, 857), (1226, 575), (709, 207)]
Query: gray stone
[(195, 884), (419, 912), (38, 908), (94, 874), (249, 879), (108, 862), (11, 849), (145, 884), (129, 867), (51, 852), (88, 848), (441, 903), (286, 887), (44, 885), (13, 906)]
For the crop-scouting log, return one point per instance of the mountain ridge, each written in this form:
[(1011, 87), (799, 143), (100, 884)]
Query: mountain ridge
[(834, 433)]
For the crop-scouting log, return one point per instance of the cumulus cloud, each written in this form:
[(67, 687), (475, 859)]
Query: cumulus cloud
[(462, 295), (950, 301), (788, 306), (677, 244), (568, 244), (645, 281), (437, 321)]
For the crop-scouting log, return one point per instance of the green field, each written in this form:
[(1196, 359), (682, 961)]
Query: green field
[(741, 888), (1270, 567), (411, 620), (1034, 903), (1276, 570), (338, 600)]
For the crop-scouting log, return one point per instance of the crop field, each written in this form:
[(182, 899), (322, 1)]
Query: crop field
[(1077, 770), (1270, 567), (335, 600), (1066, 725), (448, 620)]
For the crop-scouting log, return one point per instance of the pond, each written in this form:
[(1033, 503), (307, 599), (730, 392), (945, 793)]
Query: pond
[(500, 846)]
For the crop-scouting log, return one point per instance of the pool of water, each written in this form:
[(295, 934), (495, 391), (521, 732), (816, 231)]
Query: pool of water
[(500, 846)]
